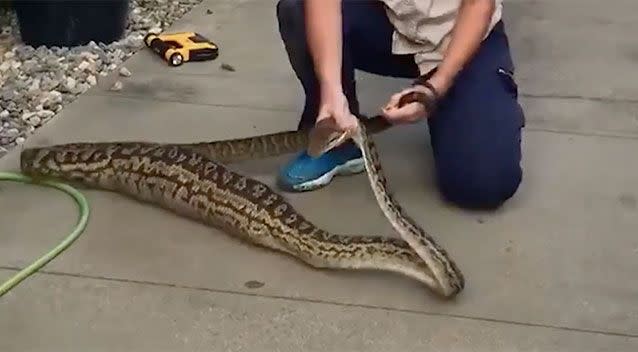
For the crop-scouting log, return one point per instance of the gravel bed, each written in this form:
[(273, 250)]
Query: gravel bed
[(36, 83)]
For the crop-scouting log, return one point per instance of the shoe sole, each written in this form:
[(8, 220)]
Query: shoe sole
[(350, 167)]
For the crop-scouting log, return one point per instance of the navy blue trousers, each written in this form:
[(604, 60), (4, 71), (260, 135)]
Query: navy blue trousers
[(476, 131)]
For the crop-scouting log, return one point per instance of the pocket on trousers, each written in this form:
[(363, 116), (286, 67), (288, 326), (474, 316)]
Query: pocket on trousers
[(509, 81), (511, 87)]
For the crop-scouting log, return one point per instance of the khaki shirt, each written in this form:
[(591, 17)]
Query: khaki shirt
[(423, 28)]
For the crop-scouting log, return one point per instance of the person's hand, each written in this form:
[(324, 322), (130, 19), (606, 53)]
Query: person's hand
[(414, 111), (408, 113), (334, 106)]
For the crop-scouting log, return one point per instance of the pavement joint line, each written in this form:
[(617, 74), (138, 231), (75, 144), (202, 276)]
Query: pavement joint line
[(326, 302), (147, 98), (579, 97), (609, 135), (286, 110), (236, 74), (554, 96)]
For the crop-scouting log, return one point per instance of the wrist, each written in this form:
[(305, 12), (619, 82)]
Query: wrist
[(442, 81), (437, 84), (441, 78), (330, 88), (328, 72)]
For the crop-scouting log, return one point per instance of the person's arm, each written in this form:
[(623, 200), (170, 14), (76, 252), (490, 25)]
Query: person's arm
[(473, 20), (323, 30), (469, 30)]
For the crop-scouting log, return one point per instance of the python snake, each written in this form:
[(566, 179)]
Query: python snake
[(192, 181)]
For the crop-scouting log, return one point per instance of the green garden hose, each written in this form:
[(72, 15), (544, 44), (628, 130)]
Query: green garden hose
[(77, 231)]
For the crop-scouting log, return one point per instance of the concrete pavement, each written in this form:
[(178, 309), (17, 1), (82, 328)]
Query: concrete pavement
[(554, 270)]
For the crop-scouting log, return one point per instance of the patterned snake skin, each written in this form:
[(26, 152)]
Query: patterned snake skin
[(192, 180)]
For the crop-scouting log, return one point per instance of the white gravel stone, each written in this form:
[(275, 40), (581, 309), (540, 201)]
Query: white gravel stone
[(124, 72), (91, 80), (117, 86), (36, 83)]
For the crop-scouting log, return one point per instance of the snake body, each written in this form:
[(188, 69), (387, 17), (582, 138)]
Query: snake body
[(192, 180)]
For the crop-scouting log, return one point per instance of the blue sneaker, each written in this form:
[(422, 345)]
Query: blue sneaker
[(305, 173)]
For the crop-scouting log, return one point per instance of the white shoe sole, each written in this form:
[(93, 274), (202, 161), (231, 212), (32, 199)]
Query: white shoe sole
[(350, 167)]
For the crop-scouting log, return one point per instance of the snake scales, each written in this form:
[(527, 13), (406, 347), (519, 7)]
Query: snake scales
[(192, 181)]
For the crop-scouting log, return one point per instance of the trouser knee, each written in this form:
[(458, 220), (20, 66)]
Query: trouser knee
[(479, 190), (290, 17)]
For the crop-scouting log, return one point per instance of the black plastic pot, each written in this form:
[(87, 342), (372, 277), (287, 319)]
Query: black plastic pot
[(71, 22)]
